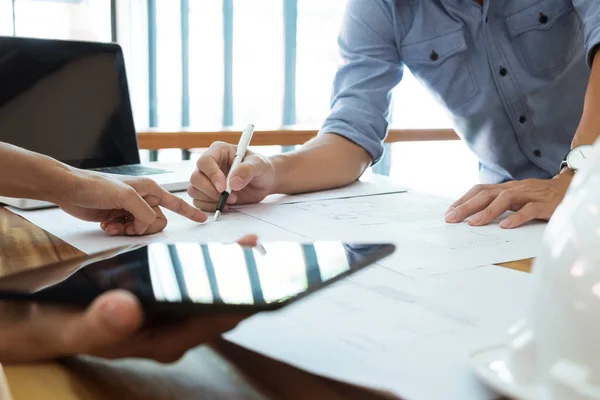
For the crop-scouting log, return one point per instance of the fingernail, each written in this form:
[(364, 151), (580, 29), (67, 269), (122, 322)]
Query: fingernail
[(451, 216), (232, 199), (236, 183), (219, 186), (506, 224), (111, 230), (475, 219)]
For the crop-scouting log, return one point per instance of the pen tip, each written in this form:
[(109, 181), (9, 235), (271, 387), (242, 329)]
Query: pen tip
[(217, 215)]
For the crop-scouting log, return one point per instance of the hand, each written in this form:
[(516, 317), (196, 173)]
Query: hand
[(530, 199), (251, 182), (129, 206), (111, 327)]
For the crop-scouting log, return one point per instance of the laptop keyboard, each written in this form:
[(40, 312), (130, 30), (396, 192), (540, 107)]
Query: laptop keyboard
[(132, 170)]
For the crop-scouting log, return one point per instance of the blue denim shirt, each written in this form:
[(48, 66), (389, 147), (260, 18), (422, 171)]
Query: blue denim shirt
[(512, 74)]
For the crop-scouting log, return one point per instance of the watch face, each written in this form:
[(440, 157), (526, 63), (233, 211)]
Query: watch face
[(578, 156)]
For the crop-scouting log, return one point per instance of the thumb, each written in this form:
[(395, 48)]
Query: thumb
[(110, 319), (142, 212), (253, 167)]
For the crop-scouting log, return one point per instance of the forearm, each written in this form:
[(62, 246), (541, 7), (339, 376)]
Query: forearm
[(589, 126), (31, 175), (325, 162)]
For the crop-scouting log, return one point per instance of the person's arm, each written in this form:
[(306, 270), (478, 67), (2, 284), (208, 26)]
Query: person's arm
[(352, 136), (589, 126), (539, 198), (126, 206), (325, 162), (29, 175)]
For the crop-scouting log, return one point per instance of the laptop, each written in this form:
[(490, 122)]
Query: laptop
[(70, 100)]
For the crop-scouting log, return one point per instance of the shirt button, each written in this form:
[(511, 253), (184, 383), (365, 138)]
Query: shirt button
[(537, 153), (434, 56), (503, 71), (543, 18), (522, 119)]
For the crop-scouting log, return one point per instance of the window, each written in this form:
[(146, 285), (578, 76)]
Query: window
[(168, 63), (132, 32), (6, 17), (317, 61), (258, 68), (65, 19), (206, 63), (216, 63)]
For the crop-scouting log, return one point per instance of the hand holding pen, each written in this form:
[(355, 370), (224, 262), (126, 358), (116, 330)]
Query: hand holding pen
[(240, 153), (249, 181)]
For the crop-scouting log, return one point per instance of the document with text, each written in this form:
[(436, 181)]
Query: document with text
[(398, 326), (413, 221), (382, 330)]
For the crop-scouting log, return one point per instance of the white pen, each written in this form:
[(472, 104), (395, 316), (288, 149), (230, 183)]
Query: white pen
[(240, 153)]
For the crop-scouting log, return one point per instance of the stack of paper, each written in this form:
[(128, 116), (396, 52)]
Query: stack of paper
[(406, 325)]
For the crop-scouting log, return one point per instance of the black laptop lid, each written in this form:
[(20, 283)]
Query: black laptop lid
[(68, 100)]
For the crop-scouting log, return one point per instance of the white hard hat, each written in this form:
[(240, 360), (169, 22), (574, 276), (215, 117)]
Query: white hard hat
[(554, 352)]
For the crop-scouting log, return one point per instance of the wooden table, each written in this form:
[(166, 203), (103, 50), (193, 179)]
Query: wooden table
[(219, 371)]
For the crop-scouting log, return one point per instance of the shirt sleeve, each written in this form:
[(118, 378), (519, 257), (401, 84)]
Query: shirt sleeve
[(371, 67), (589, 13)]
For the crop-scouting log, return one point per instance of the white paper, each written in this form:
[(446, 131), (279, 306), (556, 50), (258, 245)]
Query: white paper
[(415, 222), (379, 329), (372, 186), (89, 238), (406, 326)]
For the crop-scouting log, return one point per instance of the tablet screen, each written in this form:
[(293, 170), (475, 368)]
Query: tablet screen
[(201, 274)]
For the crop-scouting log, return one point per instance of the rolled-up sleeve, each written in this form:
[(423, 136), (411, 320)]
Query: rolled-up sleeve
[(371, 67), (589, 13)]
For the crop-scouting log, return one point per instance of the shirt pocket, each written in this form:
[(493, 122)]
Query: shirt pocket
[(549, 33), (441, 65)]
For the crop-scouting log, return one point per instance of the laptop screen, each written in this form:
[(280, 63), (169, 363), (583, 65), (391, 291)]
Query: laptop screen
[(68, 100)]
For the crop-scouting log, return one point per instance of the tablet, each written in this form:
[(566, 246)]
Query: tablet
[(187, 279)]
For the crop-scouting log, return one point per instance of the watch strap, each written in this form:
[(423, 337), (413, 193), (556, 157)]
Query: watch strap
[(564, 162)]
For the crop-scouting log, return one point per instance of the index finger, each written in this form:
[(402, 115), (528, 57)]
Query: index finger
[(218, 156), (180, 206), (168, 200)]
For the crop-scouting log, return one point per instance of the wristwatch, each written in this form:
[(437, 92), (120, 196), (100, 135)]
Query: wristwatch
[(575, 158)]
